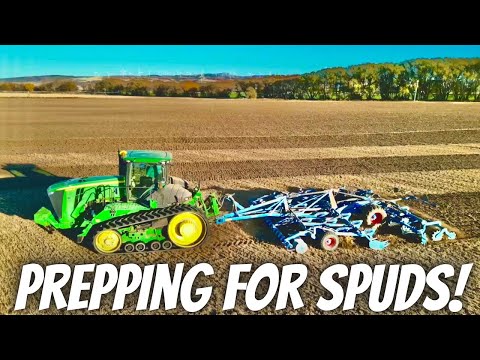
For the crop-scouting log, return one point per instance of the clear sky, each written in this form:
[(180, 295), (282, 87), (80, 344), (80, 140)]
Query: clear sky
[(104, 60)]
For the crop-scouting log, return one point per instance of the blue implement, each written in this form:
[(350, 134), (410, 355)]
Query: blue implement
[(323, 215)]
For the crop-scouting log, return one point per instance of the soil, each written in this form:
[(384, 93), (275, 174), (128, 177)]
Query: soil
[(247, 148)]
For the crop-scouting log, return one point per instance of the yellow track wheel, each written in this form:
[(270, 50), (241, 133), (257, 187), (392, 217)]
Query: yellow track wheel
[(187, 229), (107, 241)]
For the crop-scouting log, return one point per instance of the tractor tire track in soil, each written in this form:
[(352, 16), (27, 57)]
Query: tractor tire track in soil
[(36, 118), (250, 169), (390, 185), (255, 169), (270, 154), (112, 144), (461, 210)]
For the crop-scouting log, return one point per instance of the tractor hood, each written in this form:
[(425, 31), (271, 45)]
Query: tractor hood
[(91, 181)]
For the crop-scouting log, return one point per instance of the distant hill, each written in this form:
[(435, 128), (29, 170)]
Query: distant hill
[(79, 79), (38, 79)]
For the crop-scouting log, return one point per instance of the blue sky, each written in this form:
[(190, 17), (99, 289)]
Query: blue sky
[(29, 60)]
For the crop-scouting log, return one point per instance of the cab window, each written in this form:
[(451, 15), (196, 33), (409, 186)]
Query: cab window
[(145, 178)]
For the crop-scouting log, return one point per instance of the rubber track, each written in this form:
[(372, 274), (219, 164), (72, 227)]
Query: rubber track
[(139, 218)]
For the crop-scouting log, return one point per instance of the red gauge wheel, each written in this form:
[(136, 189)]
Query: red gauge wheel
[(329, 241), (376, 217)]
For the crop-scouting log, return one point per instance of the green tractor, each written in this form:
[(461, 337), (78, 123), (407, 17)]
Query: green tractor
[(143, 208)]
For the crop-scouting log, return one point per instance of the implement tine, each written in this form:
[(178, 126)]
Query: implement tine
[(292, 216)]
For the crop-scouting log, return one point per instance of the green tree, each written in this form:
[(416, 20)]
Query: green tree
[(422, 70), (390, 79), (462, 76), (364, 80), (472, 80), (323, 85), (310, 86), (444, 78), (338, 83)]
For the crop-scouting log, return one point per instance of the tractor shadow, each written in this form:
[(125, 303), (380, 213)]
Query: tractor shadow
[(23, 189)]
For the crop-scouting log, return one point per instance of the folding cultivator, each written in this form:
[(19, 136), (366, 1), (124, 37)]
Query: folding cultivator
[(326, 215)]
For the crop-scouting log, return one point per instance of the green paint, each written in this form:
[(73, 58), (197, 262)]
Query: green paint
[(129, 235), (44, 217), (91, 181), (148, 156), (84, 202)]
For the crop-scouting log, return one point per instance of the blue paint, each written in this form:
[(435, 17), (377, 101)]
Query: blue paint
[(313, 213)]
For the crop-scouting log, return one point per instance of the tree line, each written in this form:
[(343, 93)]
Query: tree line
[(427, 79), (55, 86), (424, 79)]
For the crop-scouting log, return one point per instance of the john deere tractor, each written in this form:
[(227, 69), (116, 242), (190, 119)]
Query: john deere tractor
[(142, 208)]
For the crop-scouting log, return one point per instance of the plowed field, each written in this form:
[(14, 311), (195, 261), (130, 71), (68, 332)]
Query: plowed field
[(245, 147)]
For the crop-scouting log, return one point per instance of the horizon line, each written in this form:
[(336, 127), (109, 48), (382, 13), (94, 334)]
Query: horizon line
[(233, 74)]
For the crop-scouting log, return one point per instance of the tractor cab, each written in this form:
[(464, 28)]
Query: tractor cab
[(145, 172)]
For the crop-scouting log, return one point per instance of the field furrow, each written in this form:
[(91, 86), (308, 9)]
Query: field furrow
[(60, 144), (249, 148), (421, 182), (193, 156), (251, 169)]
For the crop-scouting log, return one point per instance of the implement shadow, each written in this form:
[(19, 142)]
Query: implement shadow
[(255, 227), (23, 189)]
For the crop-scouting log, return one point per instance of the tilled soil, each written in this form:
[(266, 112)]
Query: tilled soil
[(247, 148)]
